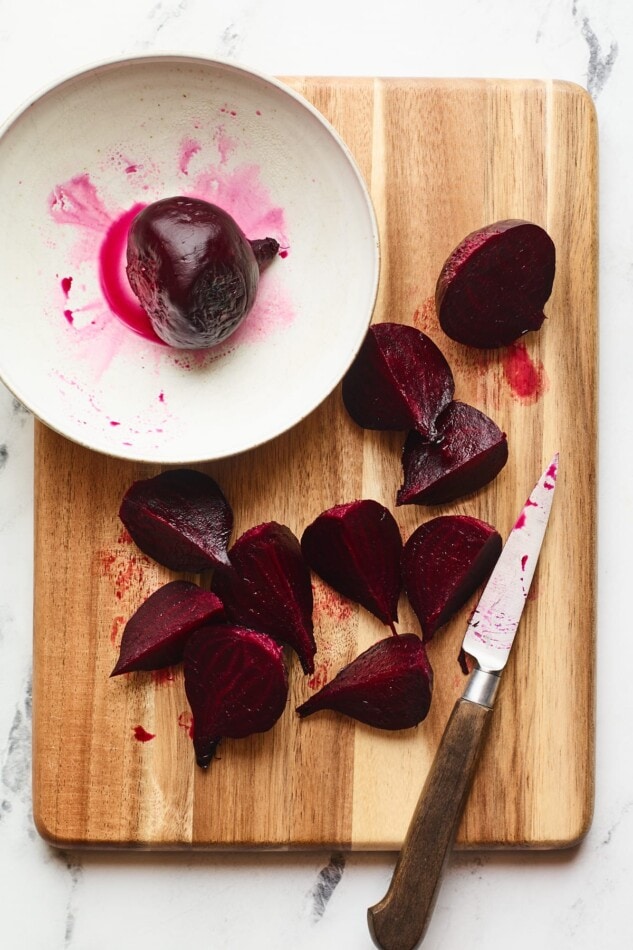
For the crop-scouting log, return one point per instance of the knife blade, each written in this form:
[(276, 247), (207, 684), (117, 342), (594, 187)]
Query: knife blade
[(400, 919)]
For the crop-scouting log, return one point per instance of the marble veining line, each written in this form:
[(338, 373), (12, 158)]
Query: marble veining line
[(326, 883), (230, 41), (163, 13), (606, 840), (600, 65), (4, 455), (19, 408), (15, 777), (75, 870)]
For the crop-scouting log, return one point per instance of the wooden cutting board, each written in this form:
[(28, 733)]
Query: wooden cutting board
[(441, 158)]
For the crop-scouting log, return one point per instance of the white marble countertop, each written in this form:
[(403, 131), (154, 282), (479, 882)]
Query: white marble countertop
[(578, 898)]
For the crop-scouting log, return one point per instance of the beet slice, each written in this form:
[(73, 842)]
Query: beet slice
[(399, 380), (236, 684), (179, 518), (469, 452), (269, 588), (193, 270), (494, 285), (443, 563), (155, 636), (356, 548), (389, 686)]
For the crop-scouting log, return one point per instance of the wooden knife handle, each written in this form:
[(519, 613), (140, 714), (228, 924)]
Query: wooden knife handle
[(400, 919)]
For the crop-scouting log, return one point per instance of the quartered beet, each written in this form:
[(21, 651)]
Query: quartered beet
[(269, 588), (443, 563), (388, 686), (155, 636), (236, 684), (493, 287), (179, 518), (470, 450), (193, 270), (356, 548), (399, 380)]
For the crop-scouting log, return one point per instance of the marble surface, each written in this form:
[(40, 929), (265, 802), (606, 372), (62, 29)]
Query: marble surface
[(578, 898)]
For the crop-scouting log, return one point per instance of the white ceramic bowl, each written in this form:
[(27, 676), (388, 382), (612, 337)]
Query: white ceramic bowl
[(77, 161)]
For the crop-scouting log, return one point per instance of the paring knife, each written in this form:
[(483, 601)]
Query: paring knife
[(400, 919)]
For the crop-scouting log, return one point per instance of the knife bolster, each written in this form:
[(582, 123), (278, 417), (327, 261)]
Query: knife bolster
[(481, 687)]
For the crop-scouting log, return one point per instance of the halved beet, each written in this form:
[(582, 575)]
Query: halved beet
[(155, 636), (269, 588), (356, 548), (179, 518), (399, 380), (469, 451), (193, 270), (236, 683), (494, 285), (443, 563), (389, 686)]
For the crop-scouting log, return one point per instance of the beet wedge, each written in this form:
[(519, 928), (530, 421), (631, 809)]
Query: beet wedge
[(399, 380), (269, 588), (156, 634), (356, 549), (236, 684), (443, 562), (494, 285), (389, 686), (469, 452), (179, 518)]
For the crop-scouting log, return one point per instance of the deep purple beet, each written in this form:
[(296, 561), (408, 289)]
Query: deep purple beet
[(494, 285), (470, 450), (356, 548), (443, 563), (155, 636), (179, 518), (389, 686), (236, 684), (193, 270)]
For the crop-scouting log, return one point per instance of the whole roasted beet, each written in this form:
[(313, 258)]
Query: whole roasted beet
[(193, 270), (494, 285)]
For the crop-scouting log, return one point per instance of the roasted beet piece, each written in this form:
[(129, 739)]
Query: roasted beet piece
[(179, 518), (443, 563), (193, 270), (356, 548), (469, 451), (155, 636), (388, 686), (493, 287), (236, 683), (399, 380), (269, 588)]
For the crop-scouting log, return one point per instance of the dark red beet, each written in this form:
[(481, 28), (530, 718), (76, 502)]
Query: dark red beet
[(269, 588), (155, 636), (388, 686), (179, 518), (236, 684), (399, 380), (443, 563), (356, 548), (493, 287), (469, 452), (193, 270)]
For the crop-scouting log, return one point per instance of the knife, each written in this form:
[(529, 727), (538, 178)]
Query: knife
[(400, 919)]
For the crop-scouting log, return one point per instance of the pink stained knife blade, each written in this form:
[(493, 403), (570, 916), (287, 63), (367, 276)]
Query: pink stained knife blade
[(400, 919)]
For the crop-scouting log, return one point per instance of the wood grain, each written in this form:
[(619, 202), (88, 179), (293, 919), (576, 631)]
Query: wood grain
[(441, 158)]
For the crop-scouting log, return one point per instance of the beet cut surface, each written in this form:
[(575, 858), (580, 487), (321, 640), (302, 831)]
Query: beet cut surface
[(389, 686), (443, 563), (356, 548)]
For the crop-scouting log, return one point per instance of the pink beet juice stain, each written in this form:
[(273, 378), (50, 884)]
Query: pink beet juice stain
[(525, 377), (142, 735)]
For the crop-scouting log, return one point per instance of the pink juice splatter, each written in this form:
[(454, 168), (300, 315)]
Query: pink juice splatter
[(142, 735), (525, 376)]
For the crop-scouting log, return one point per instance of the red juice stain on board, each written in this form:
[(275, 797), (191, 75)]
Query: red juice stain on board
[(163, 677), (320, 676), (525, 377), (117, 623), (185, 721), (142, 735)]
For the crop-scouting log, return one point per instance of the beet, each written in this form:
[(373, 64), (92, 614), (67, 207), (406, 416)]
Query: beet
[(443, 563), (155, 636), (269, 588), (494, 285), (469, 452), (399, 380), (236, 684), (193, 270), (356, 548), (389, 686), (179, 518)]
